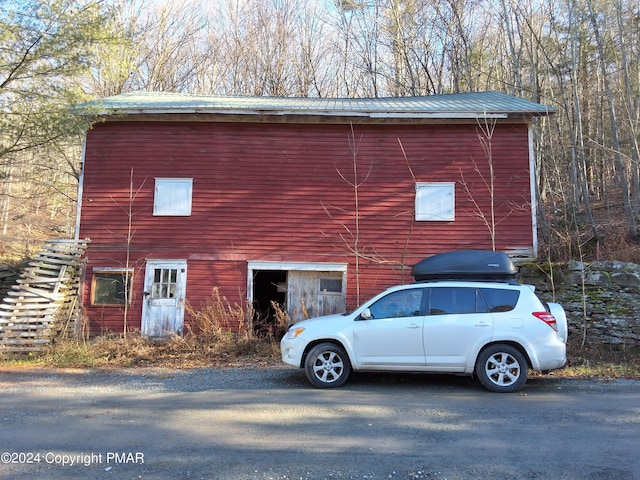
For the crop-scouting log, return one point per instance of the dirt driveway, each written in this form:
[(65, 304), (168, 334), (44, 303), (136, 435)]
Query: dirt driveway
[(237, 424)]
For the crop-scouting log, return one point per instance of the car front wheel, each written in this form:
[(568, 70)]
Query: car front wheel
[(327, 366), (502, 368)]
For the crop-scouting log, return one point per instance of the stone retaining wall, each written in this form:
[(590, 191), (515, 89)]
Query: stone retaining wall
[(602, 299)]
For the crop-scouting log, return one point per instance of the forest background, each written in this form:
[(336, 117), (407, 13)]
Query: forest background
[(579, 57)]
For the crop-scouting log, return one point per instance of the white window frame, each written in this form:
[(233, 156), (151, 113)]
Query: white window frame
[(435, 201), (173, 197)]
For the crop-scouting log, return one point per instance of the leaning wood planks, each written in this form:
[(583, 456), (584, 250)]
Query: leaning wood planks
[(44, 297)]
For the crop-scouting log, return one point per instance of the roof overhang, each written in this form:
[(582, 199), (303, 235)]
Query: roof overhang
[(454, 107)]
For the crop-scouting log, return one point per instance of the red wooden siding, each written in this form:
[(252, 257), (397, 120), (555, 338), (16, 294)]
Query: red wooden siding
[(275, 192)]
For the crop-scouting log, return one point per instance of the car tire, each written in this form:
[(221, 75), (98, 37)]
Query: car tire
[(327, 366), (502, 368)]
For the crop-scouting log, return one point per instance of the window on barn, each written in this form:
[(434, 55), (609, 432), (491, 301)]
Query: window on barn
[(165, 283), (331, 285), (173, 196), (111, 286), (435, 201)]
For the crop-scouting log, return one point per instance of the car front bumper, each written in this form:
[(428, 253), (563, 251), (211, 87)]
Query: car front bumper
[(292, 350)]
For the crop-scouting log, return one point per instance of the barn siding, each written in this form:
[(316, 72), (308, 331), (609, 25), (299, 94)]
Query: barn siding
[(275, 192)]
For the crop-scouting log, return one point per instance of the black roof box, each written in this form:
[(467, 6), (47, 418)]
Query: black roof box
[(465, 265)]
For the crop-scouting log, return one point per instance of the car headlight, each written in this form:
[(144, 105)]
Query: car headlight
[(294, 332)]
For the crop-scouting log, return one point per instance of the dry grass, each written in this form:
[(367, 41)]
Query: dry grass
[(188, 351), (603, 361), (208, 341), (180, 352), (241, 351)]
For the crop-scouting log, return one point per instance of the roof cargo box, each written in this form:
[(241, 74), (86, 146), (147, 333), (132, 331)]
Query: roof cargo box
[(465, 265)]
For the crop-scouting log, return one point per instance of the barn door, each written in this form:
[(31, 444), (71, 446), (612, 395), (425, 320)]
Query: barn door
[(313, 294), (164, 292)]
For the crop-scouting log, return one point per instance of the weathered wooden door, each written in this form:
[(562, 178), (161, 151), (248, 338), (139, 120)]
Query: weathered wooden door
[(313, 294), (164, 293)]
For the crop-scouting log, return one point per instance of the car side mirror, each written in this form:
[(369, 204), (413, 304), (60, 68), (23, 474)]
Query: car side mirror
[(366, 314)]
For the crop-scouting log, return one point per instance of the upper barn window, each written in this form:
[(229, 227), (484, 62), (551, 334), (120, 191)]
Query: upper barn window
[(435, 201), (172, 196)]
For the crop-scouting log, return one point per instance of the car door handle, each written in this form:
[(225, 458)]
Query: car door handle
[(483, 324), (413, 325)]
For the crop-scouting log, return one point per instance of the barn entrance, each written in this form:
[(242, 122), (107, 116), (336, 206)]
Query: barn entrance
[(269, 295), (301, 290)]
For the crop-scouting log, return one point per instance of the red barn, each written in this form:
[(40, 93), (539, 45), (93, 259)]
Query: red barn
[(314, 203)]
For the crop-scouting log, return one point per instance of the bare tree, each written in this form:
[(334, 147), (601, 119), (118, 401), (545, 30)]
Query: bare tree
[(44, 47), (485, 132), (629, 209), (351, 235)]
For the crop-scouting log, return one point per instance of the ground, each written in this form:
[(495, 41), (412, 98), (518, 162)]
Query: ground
[(250, 352), (269, 423)]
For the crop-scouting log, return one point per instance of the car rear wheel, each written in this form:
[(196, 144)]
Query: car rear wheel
[(327, 366), (502, 368)]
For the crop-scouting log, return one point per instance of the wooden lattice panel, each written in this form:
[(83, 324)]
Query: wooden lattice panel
[(43, 302)]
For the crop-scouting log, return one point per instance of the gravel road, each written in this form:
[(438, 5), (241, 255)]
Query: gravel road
[(258, 424)]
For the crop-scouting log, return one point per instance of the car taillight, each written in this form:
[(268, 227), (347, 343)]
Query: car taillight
[(547, 318)]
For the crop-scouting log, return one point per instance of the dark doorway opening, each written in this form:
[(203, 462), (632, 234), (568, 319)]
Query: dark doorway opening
[(269, 286)]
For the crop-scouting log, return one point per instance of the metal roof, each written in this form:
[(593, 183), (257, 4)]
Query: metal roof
[(460, 105)]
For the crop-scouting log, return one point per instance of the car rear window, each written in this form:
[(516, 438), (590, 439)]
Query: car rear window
[(461, 300), (500, 299), (455, 300)]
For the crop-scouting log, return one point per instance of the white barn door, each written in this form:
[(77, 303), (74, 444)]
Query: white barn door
[(164, 295)]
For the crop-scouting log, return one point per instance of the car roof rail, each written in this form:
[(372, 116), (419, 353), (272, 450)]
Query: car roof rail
[(508, 281)]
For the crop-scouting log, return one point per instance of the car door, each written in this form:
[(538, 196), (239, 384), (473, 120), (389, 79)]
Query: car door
[(457, 319), (392, 336)]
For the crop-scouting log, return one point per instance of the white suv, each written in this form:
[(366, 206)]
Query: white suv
[(495, 330)]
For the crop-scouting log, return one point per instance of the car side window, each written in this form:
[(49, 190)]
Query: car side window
[(500, 299), (455, 300), (405, 303)]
